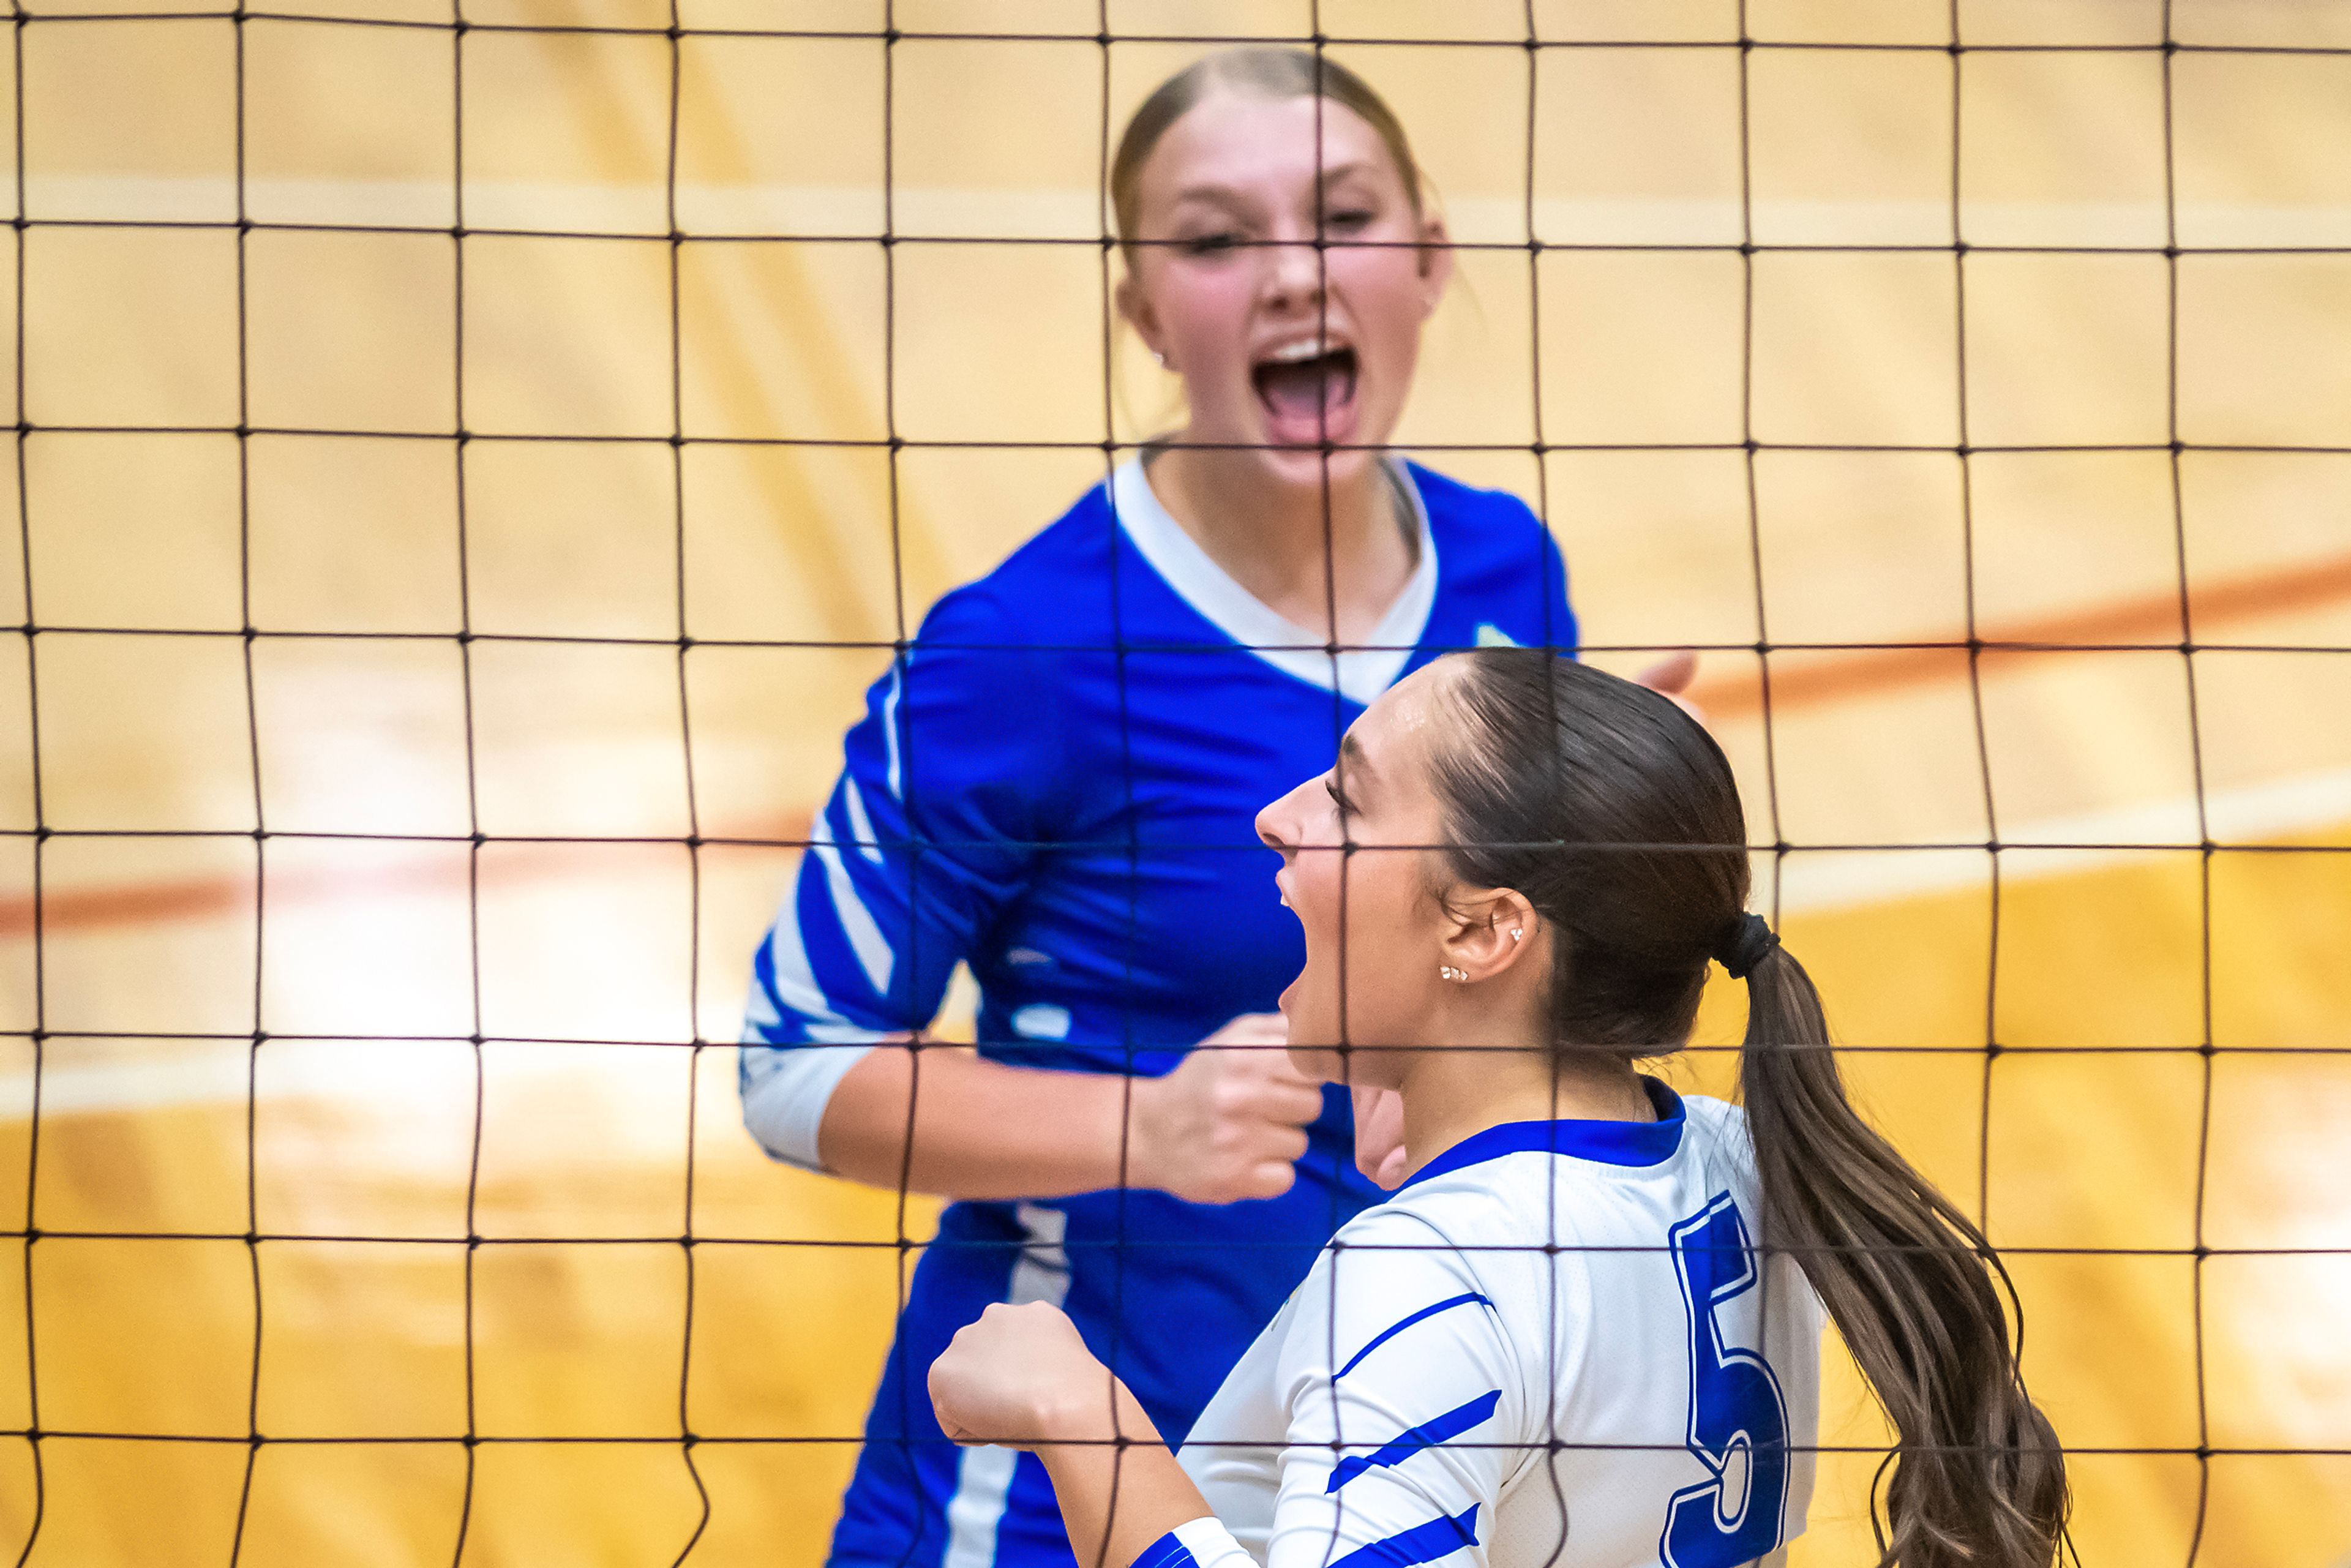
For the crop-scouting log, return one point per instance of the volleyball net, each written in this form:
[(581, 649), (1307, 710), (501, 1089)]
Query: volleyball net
[(470, 464)]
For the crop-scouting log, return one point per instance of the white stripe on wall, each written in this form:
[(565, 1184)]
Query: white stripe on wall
[(2253, 813)]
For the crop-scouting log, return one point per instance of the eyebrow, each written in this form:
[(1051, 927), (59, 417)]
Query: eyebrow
[(1222, 196), (1228, 196)]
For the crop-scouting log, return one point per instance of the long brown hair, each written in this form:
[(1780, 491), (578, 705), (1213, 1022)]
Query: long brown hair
[(1616, 816), (1273, 72)]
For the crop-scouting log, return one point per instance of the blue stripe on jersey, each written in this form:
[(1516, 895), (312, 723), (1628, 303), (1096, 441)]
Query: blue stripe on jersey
[(1398, 1327), (1440, 1537), (1608, 1143), (1428, 1434), (1166, 1553)]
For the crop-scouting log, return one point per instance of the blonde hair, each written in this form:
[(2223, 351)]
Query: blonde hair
[(1277, 73)]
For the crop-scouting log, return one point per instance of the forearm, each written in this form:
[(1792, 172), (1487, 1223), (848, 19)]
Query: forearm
[(1118, 1497), (981, 1129)]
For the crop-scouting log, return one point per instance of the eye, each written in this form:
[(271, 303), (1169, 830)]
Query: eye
[(1214, 244), (1348, 220), (1346, 808)]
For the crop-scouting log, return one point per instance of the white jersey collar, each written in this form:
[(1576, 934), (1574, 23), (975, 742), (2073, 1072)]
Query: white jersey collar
[(1358, 674)]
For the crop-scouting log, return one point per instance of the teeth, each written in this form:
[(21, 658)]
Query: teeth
[(1308, 348)]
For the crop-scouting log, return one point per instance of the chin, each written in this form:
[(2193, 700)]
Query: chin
[(1304, 466), (1307, 1057), (1317, 1062)]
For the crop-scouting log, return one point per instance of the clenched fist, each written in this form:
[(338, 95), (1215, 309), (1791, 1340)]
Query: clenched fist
[(1020, 1376), (1229, 1123)]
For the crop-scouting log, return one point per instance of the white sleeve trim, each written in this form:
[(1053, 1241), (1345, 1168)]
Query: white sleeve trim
[(785, 1096), (1212, 1545)]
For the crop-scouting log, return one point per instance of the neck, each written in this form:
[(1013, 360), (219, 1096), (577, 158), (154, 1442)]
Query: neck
[(1334, 580), (1452, 1093)]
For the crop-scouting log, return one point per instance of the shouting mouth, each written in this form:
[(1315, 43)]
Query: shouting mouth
[(1307, 390)]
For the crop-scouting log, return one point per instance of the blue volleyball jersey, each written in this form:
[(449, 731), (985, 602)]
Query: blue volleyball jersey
[(1056, 784)]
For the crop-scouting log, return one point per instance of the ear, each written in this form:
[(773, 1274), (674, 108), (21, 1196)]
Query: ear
[(1493, 932), (1435, 264), (1134, 308)]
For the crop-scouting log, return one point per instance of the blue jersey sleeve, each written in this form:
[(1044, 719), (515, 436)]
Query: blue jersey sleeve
[(1565, 634), (929, 833)]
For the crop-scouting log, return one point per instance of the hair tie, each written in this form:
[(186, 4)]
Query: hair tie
[(1746, 946)]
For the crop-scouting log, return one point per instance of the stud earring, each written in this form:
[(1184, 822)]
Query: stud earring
[(1450, 972), (1160, 357), (1516, 932)]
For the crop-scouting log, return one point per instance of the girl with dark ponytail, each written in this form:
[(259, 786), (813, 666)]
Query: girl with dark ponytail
[(1512, 888), (1977, 1475)]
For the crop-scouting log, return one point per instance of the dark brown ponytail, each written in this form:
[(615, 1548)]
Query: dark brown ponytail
[(1616, 816), (1977, 1478)]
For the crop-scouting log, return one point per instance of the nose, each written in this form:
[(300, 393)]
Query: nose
[(1277, 824), (1294, 273)]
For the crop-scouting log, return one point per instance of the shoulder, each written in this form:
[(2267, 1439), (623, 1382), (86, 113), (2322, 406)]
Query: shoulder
[(1046, 591), (1493, 1213), (1719, 1129), (1443, 1237), (1020, 627), (1718, 1117), (1022, 639), (1431, 1237), (1721, 1151), (1409, 1268), (1440, 1286)]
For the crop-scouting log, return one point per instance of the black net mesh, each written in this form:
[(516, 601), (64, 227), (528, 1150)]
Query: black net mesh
[(2181, 1357)]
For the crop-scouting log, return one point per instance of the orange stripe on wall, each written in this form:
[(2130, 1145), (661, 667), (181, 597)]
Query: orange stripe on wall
[(1803, 679), (1799, 680), (438, 867)]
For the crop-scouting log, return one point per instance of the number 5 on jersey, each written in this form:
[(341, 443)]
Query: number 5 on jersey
[(1737, 1421)]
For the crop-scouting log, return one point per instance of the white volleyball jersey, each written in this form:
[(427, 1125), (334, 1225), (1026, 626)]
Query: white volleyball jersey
[(1555, 1345)]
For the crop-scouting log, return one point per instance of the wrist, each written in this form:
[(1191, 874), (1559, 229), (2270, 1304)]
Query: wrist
[(1135, 1156), (1080, 1415)]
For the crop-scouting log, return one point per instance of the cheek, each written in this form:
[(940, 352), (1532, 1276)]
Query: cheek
[(1388, 954), (1203, 311), (1315, 894), (1381, 892), (1383, 290)]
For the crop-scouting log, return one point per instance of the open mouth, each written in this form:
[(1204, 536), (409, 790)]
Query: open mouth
[(1304, 390)]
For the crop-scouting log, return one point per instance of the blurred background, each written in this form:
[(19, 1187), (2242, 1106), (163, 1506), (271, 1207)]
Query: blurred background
[(424, 911)]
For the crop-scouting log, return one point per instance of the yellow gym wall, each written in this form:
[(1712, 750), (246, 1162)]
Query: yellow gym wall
[(148, 936)]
